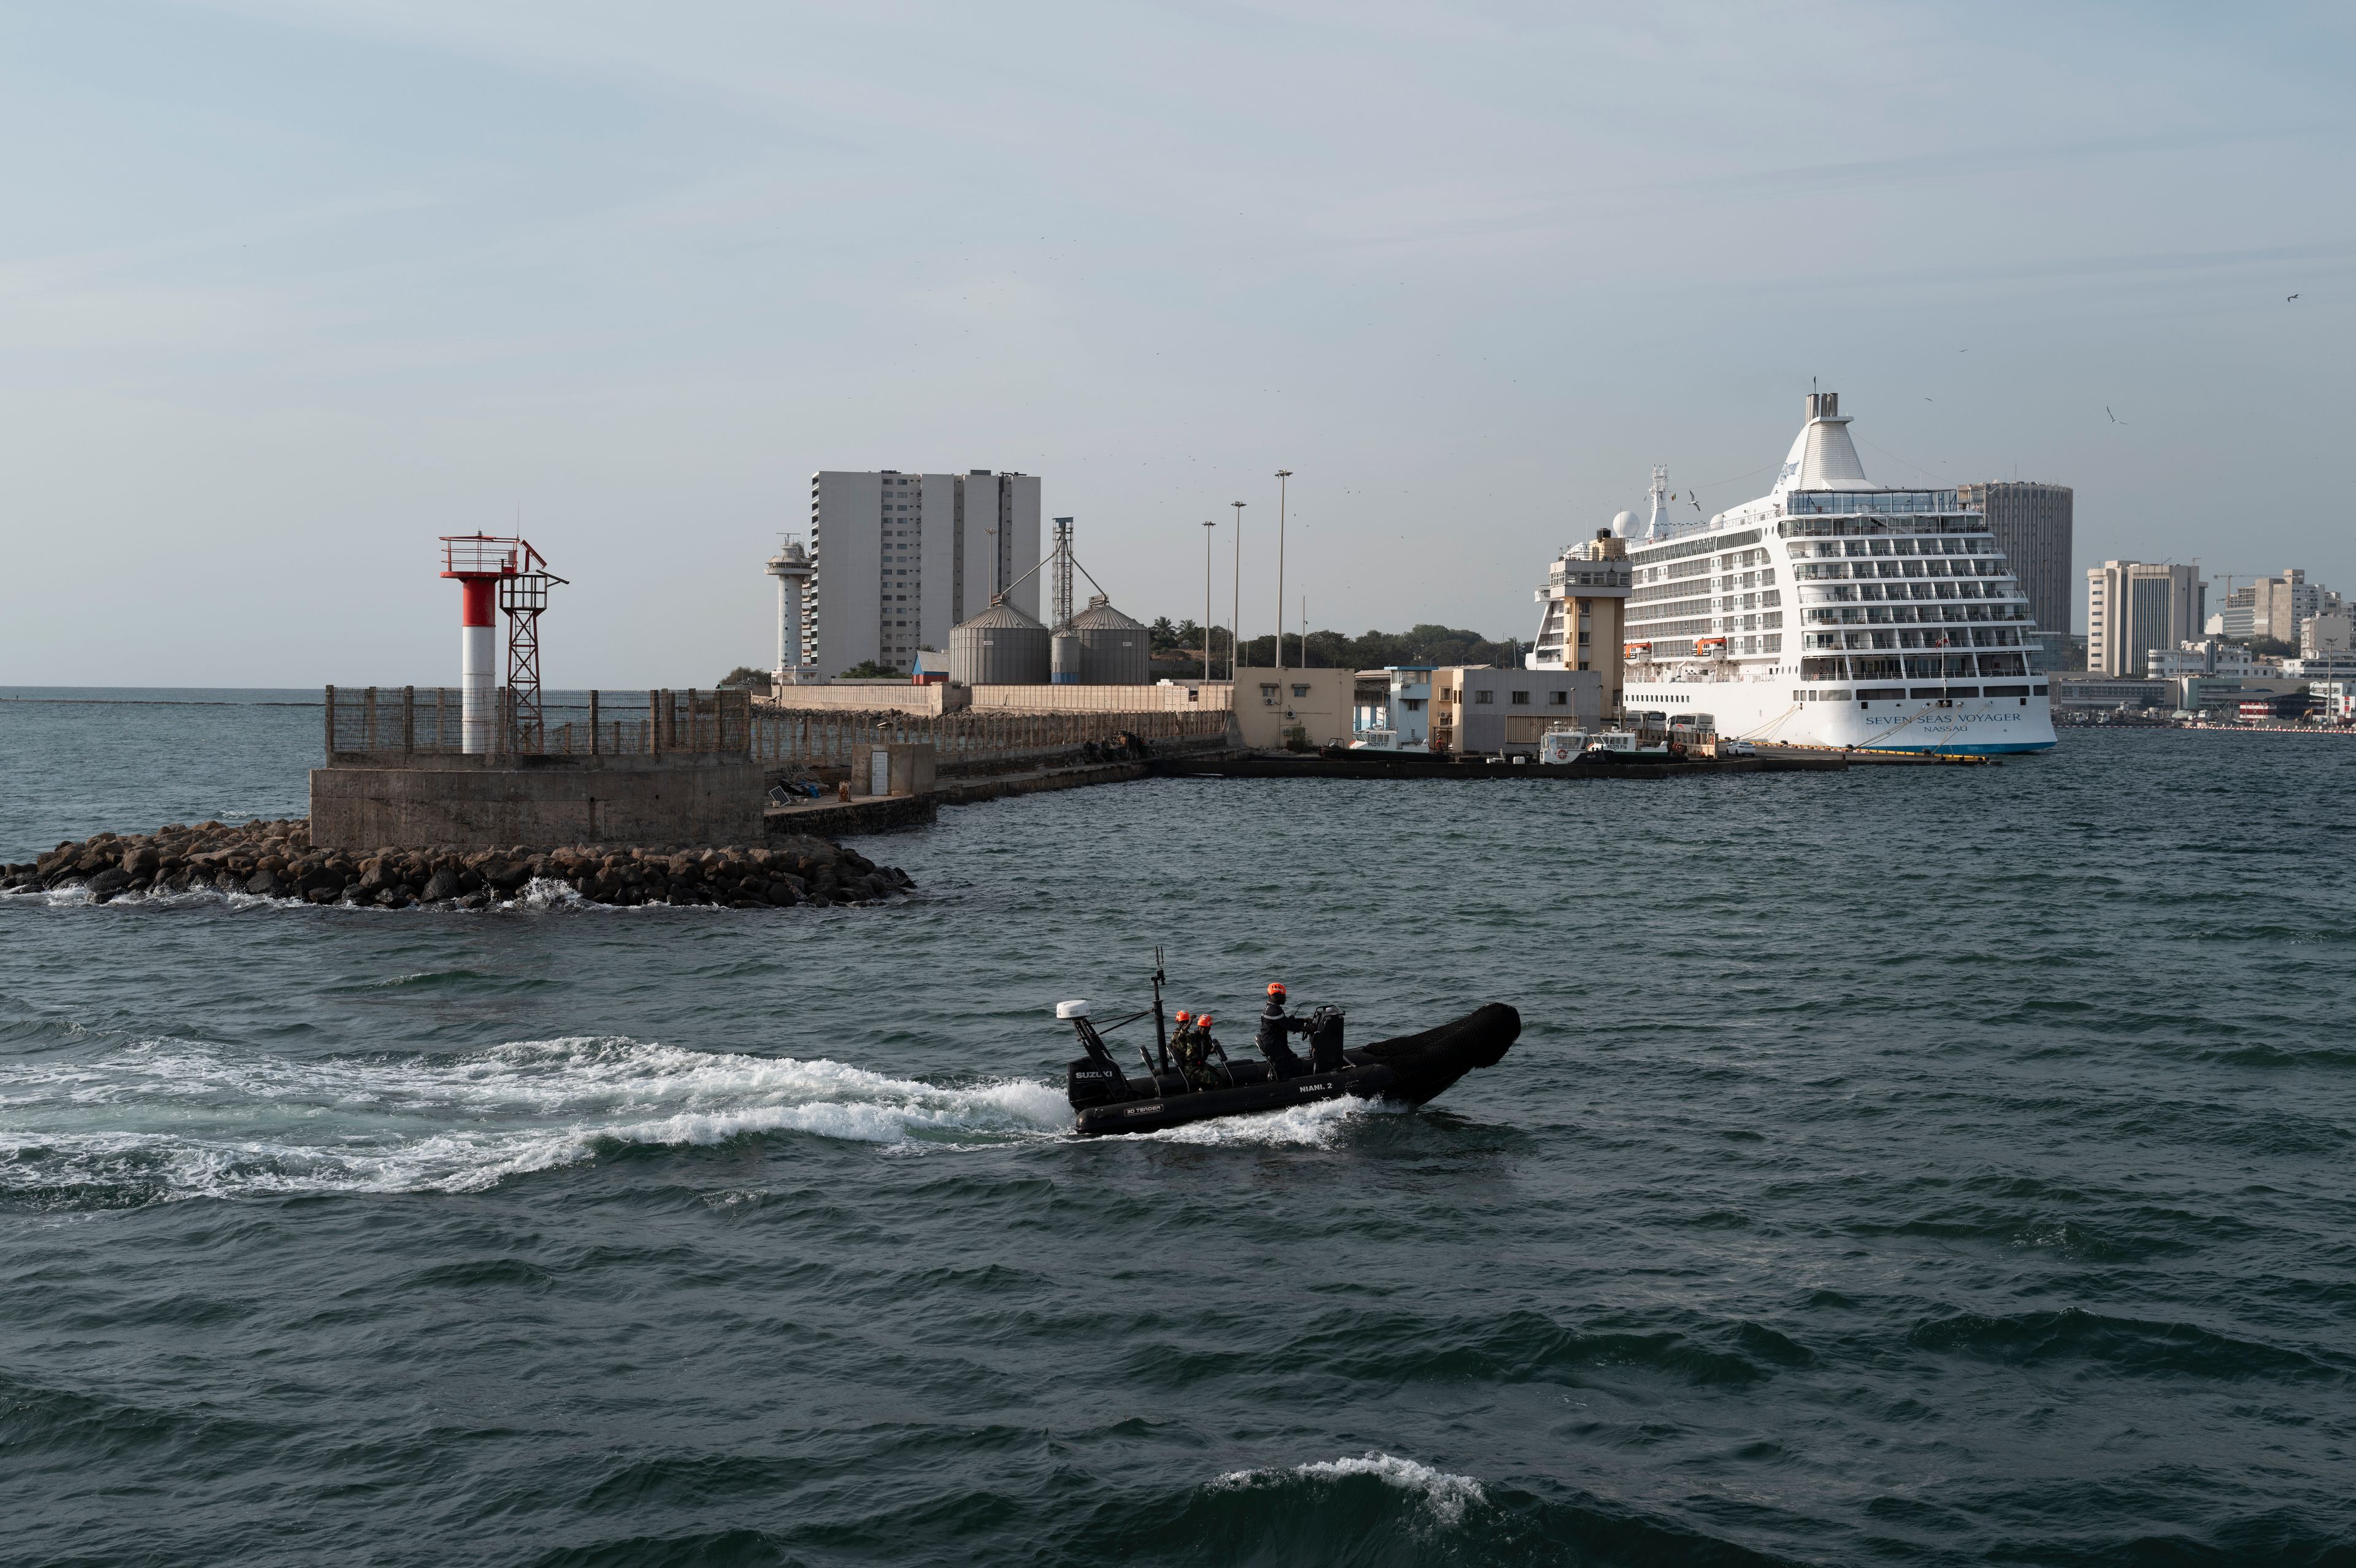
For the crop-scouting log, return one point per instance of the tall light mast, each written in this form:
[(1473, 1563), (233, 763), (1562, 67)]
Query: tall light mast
[(1283, 479)]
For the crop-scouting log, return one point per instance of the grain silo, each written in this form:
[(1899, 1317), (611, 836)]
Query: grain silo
[(1001, 646), (1116, 650)]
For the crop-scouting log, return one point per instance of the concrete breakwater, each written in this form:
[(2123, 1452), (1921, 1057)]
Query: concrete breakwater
[(277, 860)]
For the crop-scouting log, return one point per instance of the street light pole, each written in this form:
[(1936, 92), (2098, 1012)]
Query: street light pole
[(1235, 618), (1283, 475), (1207, 525)]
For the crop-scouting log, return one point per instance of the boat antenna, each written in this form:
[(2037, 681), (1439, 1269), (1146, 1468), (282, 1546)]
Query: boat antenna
[(1161, 1026)]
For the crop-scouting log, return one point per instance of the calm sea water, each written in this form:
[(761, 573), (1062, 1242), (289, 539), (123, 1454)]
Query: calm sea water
[(1909, 1165)]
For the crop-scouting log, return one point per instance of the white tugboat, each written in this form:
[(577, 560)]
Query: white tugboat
[(1832, 612)]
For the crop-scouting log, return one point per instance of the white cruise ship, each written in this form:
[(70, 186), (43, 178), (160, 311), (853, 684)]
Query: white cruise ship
[(1830, 611)]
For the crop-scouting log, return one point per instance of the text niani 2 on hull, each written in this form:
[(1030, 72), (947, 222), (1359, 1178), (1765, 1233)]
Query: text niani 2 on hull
[(1829, 611)]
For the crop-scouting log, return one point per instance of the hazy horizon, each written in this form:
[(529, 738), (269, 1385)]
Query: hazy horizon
[(291, 289)]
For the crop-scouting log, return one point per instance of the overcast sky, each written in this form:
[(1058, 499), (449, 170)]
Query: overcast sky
[(290, 287)]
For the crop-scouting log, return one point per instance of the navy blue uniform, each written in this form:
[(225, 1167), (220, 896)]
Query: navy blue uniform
[(1274, 1025)]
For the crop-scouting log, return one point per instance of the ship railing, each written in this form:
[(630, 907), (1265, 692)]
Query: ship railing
[(1813, 527)]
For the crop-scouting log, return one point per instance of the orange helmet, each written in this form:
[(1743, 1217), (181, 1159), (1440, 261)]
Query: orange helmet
[(1276, 988), (1184, 1015), (1204, 1021)]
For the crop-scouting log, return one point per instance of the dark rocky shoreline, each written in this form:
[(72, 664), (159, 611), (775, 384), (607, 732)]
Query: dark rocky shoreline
[(276, 860)]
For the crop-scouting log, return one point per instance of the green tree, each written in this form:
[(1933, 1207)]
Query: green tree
[(1427, 643), (868, 669), (1177, 647), (745, 675)]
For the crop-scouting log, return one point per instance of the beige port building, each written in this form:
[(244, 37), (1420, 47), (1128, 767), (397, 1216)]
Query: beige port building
[(1584, 624), (1479, 709)]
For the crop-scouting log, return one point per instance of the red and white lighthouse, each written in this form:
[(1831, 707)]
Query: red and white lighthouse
[(515, 576)]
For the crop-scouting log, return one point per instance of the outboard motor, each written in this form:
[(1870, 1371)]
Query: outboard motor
[(1095, 1078), (1325, 1041)]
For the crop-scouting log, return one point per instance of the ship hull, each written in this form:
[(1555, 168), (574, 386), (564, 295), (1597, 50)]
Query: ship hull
[(1765, 713)]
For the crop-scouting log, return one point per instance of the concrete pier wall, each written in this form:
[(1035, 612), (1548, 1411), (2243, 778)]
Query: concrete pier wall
[(379, 800)]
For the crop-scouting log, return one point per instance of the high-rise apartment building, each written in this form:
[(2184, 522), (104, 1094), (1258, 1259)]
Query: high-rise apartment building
[(2278, 604), (2032, 523), (2135, 606), (2234, 621), (901, 557)]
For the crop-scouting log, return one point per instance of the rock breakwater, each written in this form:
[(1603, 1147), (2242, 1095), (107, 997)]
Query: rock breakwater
[(276, 860)]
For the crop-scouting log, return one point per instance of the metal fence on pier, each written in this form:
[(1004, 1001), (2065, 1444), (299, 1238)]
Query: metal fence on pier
[(816, 738), (413, 720), (389, 721)]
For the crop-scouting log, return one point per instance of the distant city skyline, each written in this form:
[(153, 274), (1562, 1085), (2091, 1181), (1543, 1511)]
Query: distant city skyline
[(291, 287)]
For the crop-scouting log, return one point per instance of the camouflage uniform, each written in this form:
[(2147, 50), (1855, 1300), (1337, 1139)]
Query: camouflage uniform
[(1192, 1047)]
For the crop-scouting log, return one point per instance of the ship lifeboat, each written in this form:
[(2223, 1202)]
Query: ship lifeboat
[(1637, 651), (1710, 647)]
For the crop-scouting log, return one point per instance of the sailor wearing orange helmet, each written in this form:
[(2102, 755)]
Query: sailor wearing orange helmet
[(1274, 1025)]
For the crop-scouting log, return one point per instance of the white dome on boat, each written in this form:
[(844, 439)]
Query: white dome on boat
[(1621, 522)]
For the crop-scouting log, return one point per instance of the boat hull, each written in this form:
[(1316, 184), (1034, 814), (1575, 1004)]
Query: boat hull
[(1411, 1070), (1764, 711)]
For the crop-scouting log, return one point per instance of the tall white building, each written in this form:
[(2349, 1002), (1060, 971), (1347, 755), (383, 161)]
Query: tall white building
[(901, 557), (2134, 606)]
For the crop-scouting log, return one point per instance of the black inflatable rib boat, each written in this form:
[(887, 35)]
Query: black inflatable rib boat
[(1413, 1068)]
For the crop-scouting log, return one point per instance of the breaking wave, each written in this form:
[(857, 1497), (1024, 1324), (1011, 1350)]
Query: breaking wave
[(1444, 1496), (1313, 1126), (540, 893), (174, 1119)]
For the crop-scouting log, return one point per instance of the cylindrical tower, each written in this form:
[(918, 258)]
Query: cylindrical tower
[(1064, 657), (791, 566), (1115, 649), (1001, 646), (477, 663), (478, 561)]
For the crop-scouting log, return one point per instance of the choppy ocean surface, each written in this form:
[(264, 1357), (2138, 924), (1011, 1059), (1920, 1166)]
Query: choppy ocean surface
[(1908, 1165)]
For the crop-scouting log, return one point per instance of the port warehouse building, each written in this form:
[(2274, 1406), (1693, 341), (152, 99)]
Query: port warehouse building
[(1274, 704), (1474, 708)]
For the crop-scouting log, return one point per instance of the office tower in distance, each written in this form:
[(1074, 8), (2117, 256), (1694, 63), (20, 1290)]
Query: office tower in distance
[(2278, 604), (2134, 607), (2032, 523), (901, 557)]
